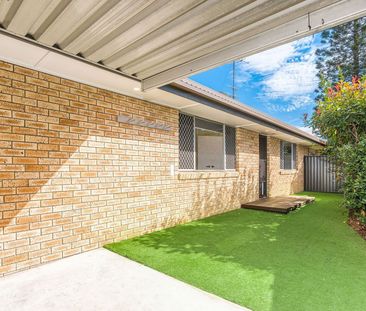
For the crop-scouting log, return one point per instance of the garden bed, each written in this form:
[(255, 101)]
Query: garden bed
[(355, 223)]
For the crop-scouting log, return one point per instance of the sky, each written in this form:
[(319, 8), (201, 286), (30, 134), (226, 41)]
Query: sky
[(280, 82)]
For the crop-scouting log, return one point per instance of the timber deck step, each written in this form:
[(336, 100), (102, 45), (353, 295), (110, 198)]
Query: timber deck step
[(281, 204)]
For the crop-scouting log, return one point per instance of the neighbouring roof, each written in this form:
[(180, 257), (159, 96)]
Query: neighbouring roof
[(234, 105)]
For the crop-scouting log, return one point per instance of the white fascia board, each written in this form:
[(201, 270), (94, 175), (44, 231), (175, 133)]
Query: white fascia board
[(36, 57), (27, 53), (19, 52), (330, 16)]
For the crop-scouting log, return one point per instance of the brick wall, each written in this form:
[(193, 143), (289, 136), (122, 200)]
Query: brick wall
[(72, 178), (284, 182)]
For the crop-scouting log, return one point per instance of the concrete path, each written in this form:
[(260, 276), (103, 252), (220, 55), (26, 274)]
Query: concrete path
[(101, 280)]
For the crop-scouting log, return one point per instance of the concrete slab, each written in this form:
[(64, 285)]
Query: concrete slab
[(101, 280)]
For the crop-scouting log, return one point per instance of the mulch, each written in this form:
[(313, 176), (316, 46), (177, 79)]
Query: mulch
[(357, 225)]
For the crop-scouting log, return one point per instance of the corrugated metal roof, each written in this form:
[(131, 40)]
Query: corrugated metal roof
[(152, 39)]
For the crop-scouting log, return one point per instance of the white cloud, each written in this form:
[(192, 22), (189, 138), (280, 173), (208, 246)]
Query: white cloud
[(292, 78), (269, 60), (288, 72), (291, 103), (243, 77), (304, 42)]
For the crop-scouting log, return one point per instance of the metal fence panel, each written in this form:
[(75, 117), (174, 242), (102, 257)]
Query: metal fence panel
[(320, 175)]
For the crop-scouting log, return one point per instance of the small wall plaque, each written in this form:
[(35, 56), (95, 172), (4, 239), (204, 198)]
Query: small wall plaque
[(141, 122)]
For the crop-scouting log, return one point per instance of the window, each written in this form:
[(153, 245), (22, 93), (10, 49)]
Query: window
[(288, 156), (205, 145)]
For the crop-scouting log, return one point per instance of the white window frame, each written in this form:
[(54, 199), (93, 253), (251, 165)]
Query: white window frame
[(293, 156)]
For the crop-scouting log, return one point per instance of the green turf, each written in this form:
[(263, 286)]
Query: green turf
[(309, 259)]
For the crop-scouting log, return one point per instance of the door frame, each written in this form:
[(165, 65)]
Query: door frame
[(262, 155)]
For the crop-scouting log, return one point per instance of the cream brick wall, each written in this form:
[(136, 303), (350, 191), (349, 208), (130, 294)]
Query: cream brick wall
[(72, 178), (284, 182)]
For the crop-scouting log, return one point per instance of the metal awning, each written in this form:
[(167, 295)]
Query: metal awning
[(159, 41)]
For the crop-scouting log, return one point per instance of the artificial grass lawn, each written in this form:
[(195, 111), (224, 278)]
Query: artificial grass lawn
[(309, 259)]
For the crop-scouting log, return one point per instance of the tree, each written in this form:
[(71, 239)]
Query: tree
[(340, 118), (344, 48)]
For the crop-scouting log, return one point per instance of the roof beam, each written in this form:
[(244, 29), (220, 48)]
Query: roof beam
[(10, 8), (104, 26), (219, 33), (221, 36), (47, 17), (154, 17), (67, 21), (26, 15), (316, 21), (89, 21), (185, 25)]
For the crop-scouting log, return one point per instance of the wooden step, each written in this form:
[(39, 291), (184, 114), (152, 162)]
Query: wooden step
[(279, 204)]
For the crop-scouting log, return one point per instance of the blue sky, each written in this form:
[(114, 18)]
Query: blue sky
[(280, 82)]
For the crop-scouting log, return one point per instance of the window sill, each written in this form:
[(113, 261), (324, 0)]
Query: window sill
[(288, 172), (207, 174)]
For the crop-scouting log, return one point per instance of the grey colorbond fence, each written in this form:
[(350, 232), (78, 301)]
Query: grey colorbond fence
[(320, 175)]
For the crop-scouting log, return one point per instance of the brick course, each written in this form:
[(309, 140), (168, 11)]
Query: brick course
[(72, 178)]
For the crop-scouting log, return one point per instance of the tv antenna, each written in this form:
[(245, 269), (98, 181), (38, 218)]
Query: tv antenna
[(233, 85)]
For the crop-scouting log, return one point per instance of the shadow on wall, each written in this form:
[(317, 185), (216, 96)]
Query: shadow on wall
[(61, 183), (283, 183), (215, 196), (40, 179), (295, 182), (73, 185)]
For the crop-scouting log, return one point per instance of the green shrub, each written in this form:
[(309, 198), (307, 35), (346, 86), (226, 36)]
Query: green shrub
[(354, 170), (340, 118)]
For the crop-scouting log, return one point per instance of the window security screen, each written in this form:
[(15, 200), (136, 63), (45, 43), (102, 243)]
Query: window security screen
[(186, 142), (230, 146), (205, 145)]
